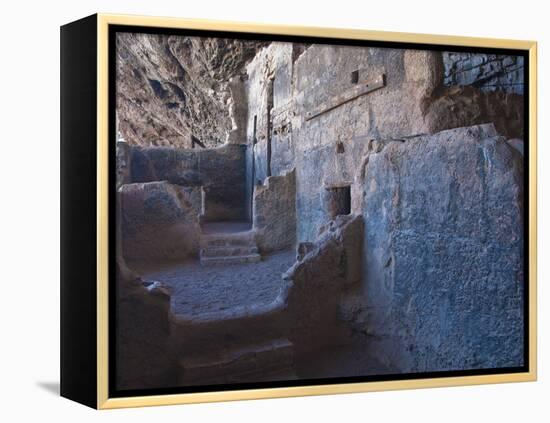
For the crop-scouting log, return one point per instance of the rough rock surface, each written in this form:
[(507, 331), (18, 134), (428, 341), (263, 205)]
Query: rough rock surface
[(464, 106), (443, 258), (159, 220), (169, 87), (490, 72)]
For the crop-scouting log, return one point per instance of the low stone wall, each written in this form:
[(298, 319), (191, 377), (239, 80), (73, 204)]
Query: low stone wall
[(275, 213), (443, 252), (219, 171), (146, 357), (159, 220), (145, 347), (329, 266)]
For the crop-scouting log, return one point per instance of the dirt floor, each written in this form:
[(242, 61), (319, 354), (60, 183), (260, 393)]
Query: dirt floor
[(204, 289)]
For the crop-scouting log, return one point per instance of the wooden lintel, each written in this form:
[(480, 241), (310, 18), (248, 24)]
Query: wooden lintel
[(349, 95)]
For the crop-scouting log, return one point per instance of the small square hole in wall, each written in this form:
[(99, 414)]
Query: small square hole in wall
[(338, 200), (355, 77)]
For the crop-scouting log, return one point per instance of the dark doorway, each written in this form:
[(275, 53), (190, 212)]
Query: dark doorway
[(253, 168), (269, 125)]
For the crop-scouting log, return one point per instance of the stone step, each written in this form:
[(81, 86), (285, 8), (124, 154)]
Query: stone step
[(268, 360), (250, 258), (228, 240), (229, 251)]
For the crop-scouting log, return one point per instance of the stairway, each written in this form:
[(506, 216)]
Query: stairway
[(228, 248), (234, 347), (263, 361)]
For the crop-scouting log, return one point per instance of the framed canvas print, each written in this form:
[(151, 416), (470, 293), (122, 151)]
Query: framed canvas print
[(254, 211)]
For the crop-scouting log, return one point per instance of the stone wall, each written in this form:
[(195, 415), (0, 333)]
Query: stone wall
[(436, 282), (219, 171), (145, 353), (443, 259), (269, 89), (123, 166), (269, 94), (318, 281), (146, 357), (274, 213), (489, 72), (159, 220), (432, 205), (326, 149)]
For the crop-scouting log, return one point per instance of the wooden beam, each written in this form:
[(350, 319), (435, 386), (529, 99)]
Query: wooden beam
[(361, 89)]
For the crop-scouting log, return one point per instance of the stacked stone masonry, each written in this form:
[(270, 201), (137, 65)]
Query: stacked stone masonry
[(397, 175), (489, 72)]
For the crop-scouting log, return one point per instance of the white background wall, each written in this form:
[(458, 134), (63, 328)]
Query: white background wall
[(29, 170)]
